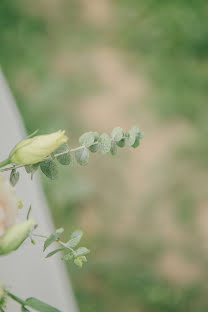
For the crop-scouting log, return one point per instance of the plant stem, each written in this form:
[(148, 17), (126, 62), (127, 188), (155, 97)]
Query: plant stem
[(15, 298), (5, 162), (41, 236)]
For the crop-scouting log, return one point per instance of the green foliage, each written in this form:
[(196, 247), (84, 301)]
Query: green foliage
[(88, 138), (52, 238), (54, 252), (90, 142), (32, 169), (40, 306), (74, 239), (104, 143), (113, 148), (14, 177), (64, 159), (49, 168), (82, 156), (117, 134), (68, 247)]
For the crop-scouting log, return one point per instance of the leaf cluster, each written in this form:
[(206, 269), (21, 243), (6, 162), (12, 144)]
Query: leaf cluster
[(69, 249), (90, 142)]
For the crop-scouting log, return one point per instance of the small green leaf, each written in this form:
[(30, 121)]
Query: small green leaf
[(54, 252), (74, 239), (105, 143), (121, 143), (64, 159), (141, 135), (83, 258), (113, 148), (32, 169), (14, 177), (82, 251), (136, 143), (135, 129), (87, 139), (117, 134), (23, 309), (28, 168), (52, 238), (40, 305), (67, 257), (94, 148), (49, 168), (82, 156), (130, 137), (78, 262)]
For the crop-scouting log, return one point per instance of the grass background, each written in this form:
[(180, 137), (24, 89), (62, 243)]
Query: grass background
[(81, 66)]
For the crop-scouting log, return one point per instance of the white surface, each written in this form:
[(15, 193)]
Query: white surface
[(25, 271)]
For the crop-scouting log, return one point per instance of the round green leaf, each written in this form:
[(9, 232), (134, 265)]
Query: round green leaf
[(113, 148), (14, 177), (82, 156), (117, 134), (105, 143), (87, 139), (136, 143), (49, 168), (64, 159), (121, 143)]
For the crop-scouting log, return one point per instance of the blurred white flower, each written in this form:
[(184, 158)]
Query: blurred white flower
[(8, 205)]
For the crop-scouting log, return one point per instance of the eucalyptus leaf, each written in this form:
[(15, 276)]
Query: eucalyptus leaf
[(32, 169), (130, 138), (49, 168), (64, 159), (94, 148), (135, 129), (67, 257), (141, 135), (74, 239), (52, 238), (105, 143), (54, 252), (87, 139), (136, 143), (39, 305), (121, 143), (82, 156), (117, 134), (113, 148), (14, 177), (81, 251)]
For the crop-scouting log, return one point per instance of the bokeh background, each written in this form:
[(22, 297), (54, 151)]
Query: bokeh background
[(86, 65)]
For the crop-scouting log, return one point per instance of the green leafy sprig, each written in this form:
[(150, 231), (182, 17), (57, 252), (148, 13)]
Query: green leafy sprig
[(90, 142), (69, 249)]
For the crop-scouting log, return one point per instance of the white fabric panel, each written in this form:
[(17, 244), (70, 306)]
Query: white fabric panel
[(25, 272)]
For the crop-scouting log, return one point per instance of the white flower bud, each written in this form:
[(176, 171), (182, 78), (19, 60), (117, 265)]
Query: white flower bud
[(14, 236), (33, 150)]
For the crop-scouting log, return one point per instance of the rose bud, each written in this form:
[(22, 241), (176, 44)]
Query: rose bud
[(14, 236), (33, 150)]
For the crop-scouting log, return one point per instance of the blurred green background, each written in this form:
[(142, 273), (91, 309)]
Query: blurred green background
[(86, 65)]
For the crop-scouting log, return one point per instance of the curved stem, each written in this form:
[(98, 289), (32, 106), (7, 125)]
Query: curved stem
[(5, 162), (15, 298)]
